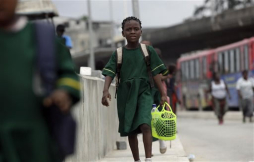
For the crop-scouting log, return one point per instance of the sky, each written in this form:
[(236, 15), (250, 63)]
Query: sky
[(153, 13)]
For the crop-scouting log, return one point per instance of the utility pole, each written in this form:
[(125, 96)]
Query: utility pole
[(135, 8), (112, 24), (125, 6), (91, 58), (213, 12)]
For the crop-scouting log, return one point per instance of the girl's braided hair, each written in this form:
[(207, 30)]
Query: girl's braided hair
[(129, 19)]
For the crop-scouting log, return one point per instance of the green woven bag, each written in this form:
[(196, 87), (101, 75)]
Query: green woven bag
[(164, 123)]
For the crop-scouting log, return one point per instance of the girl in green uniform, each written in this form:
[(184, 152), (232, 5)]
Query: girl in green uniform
[(134, 97), (24, 135)]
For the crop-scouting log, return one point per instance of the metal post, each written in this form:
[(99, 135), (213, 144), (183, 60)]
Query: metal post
[(213, 12), (112, 24), (125, 6), (91, 59), (135, 8)]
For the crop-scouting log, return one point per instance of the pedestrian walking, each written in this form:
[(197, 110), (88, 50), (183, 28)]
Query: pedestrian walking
[(164, 77), (172, 88), (245, 87), (134, 97), (66, 40), (24, 133), (156, 96), (219, 90)]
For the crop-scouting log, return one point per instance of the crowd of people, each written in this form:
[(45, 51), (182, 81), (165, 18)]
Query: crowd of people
[(220, 93)]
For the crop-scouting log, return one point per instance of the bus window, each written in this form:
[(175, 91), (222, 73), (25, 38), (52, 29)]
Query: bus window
[(221, 62), (182, 71), (197, 68), (226, 62), (238, 60), (246, 57), (232, 61), (186, 71), (204, 66), (192, 69)]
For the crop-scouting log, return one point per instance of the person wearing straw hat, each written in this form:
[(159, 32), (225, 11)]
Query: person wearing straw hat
[(24, 130)]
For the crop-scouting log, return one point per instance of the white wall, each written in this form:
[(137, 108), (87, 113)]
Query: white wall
[(97, 125)]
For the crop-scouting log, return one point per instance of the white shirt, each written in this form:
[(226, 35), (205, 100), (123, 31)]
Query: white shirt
[(219, 90), (245, 87)]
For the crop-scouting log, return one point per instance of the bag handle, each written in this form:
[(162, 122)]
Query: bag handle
[(163, 107)]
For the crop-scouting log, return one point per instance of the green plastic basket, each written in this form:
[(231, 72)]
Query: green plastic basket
[(164, 124)]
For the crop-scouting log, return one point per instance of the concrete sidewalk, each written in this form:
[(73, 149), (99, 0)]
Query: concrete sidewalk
[(174, 154), (230, 115)]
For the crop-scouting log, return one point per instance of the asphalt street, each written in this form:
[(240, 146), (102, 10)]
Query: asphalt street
[(210, 142)]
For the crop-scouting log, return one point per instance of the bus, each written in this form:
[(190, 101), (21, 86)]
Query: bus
[(195, 72)]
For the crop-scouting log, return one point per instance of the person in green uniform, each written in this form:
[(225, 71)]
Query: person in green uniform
[(24, 136), (156, 96), (134, 97)]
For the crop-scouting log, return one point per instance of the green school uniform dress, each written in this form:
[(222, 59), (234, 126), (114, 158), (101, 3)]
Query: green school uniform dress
[(24, 136), (134, 96)]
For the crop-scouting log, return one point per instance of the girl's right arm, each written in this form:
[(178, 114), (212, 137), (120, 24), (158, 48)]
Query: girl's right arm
[(106, 94)]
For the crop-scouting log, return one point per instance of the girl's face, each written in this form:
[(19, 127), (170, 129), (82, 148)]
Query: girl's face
[(132, 31), (7, 11)]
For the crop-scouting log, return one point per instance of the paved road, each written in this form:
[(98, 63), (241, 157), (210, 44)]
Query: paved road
[(210, 142)]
